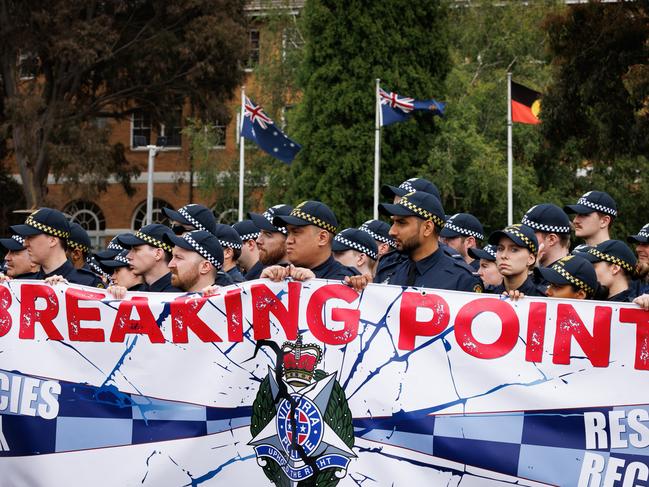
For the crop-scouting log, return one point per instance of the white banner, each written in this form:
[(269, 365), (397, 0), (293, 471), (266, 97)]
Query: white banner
[(313, 384)]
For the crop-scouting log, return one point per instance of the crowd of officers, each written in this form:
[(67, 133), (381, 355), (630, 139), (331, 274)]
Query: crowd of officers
[(421, 247)]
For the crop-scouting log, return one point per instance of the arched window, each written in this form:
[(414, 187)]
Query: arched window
[(158, 216), (90, 217)]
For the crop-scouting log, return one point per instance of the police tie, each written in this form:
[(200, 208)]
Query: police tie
[(412, 273)]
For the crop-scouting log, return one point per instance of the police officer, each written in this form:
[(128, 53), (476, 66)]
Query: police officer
[(79, 252), (149, 255), (390, 258), (272, 240), (516, 249), (197, 261), (46, 232), (641, 240), (311, 227), (114, 248), (552, 229), (595, 212), (249, 260), (122, 275), (393, 193), (380, 232), (191, 217), (462, 232), (417, 220), (487, 269), (355, 248), (614, 264), (232, 244), (571, 277), (19, 265)]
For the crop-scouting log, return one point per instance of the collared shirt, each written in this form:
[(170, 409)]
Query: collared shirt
[(639, 287), (254, 272), (439, 271), (73, 276), (223, 279), (529, 288), (138, 287), (625, 296), (27, 275), (388, 263), (332, 269), (235, 275), (162, 285)]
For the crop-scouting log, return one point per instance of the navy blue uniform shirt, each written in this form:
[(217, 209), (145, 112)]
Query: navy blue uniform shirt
[(254, 272), (529, 288), (332, 269), (162, 285), (73, 276), (223, 279), (235, 275), (388, 263), (625, 296), (438, 271)]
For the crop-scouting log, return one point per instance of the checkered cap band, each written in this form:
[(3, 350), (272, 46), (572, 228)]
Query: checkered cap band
[(314, 220), (356, 246), (191, 219), (98, 270), (231, 245), (122, 259), (269, 216), (515, 231), (153, 241), (642, 233), (201, 250), (572, 279), (612, 259), (544, 228), (46, 228), (425, 214), (250, 236), (19, 239), (464, 231), (407, 186), (597, 207), (378, 237), (114, 245), (490, 249), (77, 245)]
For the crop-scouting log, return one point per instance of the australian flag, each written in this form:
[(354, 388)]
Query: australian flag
[(260, 128), (396, 108)]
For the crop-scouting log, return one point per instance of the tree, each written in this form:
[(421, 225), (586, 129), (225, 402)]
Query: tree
[(107, 59), (469, 158), (595, 116), (347, 45)]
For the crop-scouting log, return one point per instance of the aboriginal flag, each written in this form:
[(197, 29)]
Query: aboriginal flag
[(526, 104)]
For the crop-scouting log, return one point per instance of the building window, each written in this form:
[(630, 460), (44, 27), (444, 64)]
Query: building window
[(158, 216), (140, 129), (90, 217), (172, 130), (253, 49), (219, 131)]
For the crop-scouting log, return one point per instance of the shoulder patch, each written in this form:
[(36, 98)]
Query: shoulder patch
[(478, 288)]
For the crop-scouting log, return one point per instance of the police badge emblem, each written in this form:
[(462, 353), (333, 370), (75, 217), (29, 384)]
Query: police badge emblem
[(301, 423)]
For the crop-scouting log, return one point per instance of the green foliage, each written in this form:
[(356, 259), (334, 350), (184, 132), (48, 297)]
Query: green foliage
[(595, 114), (107, 59), (469, 158), (348, 45)]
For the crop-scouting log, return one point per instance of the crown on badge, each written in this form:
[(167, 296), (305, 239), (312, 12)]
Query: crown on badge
[(300, 361)]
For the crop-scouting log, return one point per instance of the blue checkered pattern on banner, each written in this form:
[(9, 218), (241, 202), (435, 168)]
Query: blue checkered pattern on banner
[(546, 446), (95, 417)]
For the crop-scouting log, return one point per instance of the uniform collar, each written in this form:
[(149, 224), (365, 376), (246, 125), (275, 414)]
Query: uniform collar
[(425, 264), (255, 271), (624, 296), (161, 284), (323, 268), (64, 270)]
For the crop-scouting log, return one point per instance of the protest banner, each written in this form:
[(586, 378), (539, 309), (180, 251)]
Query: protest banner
[(313, 384)]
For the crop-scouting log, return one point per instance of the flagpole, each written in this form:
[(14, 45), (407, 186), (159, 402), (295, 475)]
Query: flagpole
[(377, 149), (241, 152), (510, 156)]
